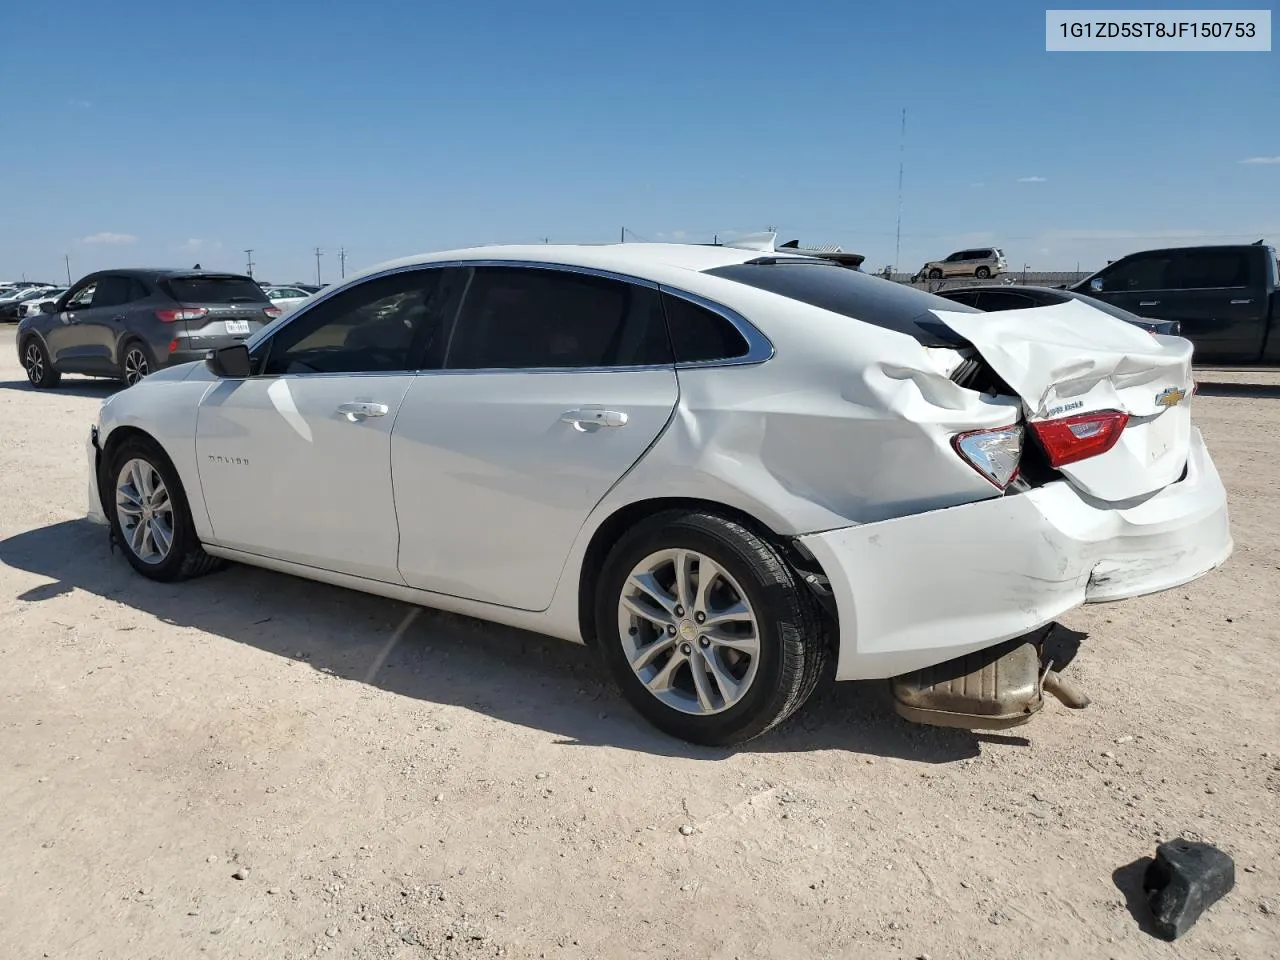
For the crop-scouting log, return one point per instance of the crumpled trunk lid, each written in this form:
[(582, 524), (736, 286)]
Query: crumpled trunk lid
[(1071, 359)]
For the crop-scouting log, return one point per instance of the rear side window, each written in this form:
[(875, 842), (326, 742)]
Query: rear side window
[(215, 289), (517, 318), (993, 300), (114, 291), (699, 334), (1209, 269), (851, 293)]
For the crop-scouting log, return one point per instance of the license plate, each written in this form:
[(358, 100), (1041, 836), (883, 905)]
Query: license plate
[(237, 326)]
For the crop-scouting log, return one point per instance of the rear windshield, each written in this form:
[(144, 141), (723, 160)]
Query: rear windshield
[(213, 289), (851, 293)]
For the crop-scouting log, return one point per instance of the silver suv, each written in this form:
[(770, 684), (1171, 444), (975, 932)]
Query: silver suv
[(980, 262)]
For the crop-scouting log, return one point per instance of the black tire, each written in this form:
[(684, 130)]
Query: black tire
[(935, 274), (792, 642), (186, 557), (134, 355), (982, 273), (35, 360)]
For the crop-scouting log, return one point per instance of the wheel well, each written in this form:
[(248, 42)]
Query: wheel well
[(118, 436), (611, 531)]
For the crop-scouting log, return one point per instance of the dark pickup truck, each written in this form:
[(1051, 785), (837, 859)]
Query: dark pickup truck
[(1225, 297)]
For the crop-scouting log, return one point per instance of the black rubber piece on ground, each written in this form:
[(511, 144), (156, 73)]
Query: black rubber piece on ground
[(1183, 881), (186, 558), (793, 647)]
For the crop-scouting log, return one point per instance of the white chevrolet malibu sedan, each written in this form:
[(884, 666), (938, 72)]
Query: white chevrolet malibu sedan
[(723, 468)]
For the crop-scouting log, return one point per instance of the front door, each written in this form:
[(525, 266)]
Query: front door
[(68, 338), (295, 461), (554, 386)]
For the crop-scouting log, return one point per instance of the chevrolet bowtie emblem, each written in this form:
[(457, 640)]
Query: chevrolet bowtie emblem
[(1170, 397)]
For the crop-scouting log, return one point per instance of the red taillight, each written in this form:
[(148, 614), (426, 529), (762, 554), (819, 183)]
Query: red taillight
[(173, 346), (272, 312), (182, 313), (1085, 435)]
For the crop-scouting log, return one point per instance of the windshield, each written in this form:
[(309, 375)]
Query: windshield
[(215, 289), (851, 293)]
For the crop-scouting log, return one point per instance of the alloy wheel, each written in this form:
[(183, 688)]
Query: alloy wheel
[(135, 366), (34, 362), (689, 632), (145, 511)]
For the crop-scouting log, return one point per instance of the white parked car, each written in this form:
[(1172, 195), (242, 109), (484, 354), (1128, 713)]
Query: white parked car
[(719, 466), (51, 295), (286, 298)]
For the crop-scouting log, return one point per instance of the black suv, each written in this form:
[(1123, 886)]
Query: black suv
[(127, 323), (1225, 297)]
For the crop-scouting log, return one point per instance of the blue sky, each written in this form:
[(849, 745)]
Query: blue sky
[(147, 133)]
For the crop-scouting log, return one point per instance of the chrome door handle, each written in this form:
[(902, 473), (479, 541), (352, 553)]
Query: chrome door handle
[(360, 409), (584, 420), (1148, 303), (1236, 303)]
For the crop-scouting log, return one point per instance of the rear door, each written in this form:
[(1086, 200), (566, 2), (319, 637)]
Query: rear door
[(1218, 298), (555, 384), (105, 326)]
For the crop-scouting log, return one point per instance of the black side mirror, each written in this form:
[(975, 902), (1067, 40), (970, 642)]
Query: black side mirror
[(229, 362), (48, 306)]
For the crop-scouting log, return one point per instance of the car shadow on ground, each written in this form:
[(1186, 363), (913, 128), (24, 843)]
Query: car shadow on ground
[(508, 674), (77, 387), (1260, 391)]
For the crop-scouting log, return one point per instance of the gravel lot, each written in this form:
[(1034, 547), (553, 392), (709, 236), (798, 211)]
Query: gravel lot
[(219, 768)]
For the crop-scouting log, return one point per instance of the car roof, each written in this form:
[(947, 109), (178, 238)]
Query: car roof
[(644, 260), (163, 273)]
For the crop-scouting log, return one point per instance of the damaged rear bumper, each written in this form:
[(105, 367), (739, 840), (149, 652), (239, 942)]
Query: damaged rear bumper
[(920, 590)]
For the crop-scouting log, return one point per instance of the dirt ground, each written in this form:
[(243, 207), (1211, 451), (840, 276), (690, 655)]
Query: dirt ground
[(220, 768)]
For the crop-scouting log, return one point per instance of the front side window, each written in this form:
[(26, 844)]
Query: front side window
[(383, 325), (955, 257), (527, 318), (82, 298), (1138, 273)]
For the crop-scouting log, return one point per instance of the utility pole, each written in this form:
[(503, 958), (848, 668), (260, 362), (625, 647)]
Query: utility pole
[(318, 252), (342, 263), (902, 160), (66, 258), (249, 261), (622, 238)]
